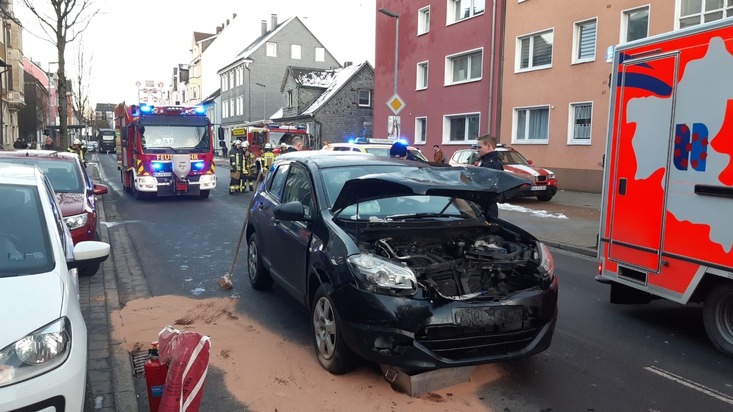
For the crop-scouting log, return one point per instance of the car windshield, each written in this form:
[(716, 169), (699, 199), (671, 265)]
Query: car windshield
[(512, 158), (176, 137), (24, 240), (410, 207), (63, 174), (384, 152), (335, 177)]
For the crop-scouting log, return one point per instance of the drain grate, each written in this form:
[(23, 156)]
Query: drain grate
[(138, 363)]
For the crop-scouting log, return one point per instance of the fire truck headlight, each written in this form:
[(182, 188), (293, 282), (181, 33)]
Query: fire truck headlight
[(76, 221)]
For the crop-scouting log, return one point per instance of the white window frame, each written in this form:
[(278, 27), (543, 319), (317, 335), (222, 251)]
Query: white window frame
[(423, 21), (451, 11), (726, 10), (446, 128), (224, 110), (577, 30), (450, 59), (421, 77), (296, 52), (290, 99), (358, 98), (231, 78), (271, 49), (518, 55), (224, 82), (241, 76), (421, 129), (515, 121), (240, 105), (231, 107), (625, 14), (320, 53), (572, 140)]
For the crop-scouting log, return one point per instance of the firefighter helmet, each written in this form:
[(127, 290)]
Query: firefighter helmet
[(237, 142), (283, 145), (245, 143), (77, 141), (268, 146)]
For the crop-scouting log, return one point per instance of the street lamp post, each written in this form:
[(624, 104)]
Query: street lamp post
[(264, 101), (396, 16)]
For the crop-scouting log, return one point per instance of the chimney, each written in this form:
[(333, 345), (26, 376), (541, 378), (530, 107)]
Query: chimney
[(227, 22), (218, 29), (234, 16), (347, 64), (264, 27), (273, 21)]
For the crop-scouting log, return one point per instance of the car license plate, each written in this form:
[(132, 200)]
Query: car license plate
[(539, 188), (508, 316)]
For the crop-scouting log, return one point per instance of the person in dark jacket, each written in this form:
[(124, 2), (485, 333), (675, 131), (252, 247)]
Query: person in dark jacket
[(51, 145), (296, 145), (489, 158)]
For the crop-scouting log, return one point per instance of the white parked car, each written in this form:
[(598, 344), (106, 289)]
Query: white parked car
[(43, 338)]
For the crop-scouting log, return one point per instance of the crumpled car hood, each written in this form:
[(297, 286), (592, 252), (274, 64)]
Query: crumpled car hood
[(477, 184)]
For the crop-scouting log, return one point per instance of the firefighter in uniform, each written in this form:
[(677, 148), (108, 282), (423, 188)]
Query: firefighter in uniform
[(79, 150), (267, 159), (249, 169), (235, 166)]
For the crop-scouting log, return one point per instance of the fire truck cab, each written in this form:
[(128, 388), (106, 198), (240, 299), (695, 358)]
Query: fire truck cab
[(666, 229), (165, 150), (259, 134)]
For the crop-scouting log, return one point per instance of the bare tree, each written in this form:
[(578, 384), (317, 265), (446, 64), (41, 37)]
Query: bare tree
[(80, 86), (62, 23)]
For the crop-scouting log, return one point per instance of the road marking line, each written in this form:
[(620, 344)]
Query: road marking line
[(690, 384)]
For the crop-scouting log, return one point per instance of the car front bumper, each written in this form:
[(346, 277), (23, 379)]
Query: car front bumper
[(415, 334)]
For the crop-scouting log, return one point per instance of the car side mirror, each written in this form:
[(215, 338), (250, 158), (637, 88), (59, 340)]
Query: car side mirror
[(100, 190), (291, 211), (529, 162)]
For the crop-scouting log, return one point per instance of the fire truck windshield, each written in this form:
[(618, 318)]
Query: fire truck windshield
[(195, 139)]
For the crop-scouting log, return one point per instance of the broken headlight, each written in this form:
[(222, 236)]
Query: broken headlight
[(382, 275)]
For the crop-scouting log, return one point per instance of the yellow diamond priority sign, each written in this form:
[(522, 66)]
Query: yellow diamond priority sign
[(395, 104)]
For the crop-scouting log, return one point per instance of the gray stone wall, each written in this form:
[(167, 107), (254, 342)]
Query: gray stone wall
[(341, 117)]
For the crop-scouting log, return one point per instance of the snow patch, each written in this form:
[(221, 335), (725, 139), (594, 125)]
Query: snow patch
[(198, 291), (533, 212)]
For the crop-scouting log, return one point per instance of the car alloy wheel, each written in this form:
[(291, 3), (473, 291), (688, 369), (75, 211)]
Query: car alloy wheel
[(258, 276), (331, 350)]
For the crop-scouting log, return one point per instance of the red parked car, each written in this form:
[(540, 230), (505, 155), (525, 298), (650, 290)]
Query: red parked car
[(542, 182), (76, 194)]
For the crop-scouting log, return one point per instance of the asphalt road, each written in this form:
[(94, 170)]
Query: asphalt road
[(603, 357)]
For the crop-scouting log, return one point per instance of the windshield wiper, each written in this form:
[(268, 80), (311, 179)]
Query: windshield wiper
[(420, 215)]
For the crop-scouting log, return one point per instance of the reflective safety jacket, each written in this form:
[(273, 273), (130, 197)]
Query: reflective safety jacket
[(268, 158), (248, 165)]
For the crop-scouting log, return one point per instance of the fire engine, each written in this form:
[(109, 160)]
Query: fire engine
[(164, 150), (666, 229), (259, 133)]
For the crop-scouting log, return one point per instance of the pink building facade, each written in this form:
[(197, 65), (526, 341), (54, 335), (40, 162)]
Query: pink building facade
[(448, 71)]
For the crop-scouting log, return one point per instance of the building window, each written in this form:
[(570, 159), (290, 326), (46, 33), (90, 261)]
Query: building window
[(464, 67), (231, 79), (422, 76), (271, 49), (635, 24), (320, 54), (531, 125), (241, 76), (295, 51), (535, 51), (421, 129), (460, 128), (365, 98), (231, 107), (224, 83), (463, 9), (240, 106), (423, 20), (581, 115), (224, 110), (694, 12), (584, 41), (290, 99)]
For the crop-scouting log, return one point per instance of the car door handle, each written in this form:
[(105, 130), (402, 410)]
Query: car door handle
[(260, 206)]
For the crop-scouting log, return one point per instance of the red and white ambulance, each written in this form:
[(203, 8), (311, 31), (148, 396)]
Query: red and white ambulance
[(667, 210)]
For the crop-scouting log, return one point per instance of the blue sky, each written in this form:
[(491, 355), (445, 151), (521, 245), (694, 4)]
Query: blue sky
[(157, 36)]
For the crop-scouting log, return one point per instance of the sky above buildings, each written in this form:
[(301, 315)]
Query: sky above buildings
[(139, 40)]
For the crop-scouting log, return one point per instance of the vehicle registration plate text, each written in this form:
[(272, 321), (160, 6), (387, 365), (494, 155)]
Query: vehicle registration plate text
[(510, 317), (539, 188)]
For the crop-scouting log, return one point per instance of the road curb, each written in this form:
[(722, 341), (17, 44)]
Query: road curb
[(587, 251)]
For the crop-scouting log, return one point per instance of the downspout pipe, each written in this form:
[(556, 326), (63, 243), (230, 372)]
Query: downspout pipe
[(491, 68)]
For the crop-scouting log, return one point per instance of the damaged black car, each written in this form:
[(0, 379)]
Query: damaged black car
[(397, 263)]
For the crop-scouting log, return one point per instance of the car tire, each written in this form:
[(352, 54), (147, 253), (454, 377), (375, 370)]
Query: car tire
[(331, 350), (716, 314), (204, 194), (544, 198), (258, 275)]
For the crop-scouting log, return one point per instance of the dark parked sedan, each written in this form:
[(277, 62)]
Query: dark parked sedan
[(397, 264)]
